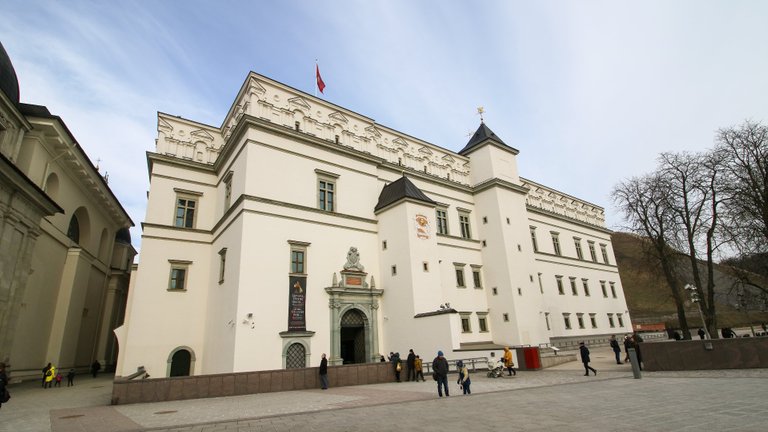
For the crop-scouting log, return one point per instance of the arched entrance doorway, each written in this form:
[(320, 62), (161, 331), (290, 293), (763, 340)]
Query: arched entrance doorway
[(352, 339), (180, 363)]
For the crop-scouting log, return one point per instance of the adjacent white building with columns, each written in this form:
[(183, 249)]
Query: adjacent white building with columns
[(299, 227)]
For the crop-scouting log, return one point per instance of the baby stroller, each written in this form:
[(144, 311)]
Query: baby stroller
[(495, 368)]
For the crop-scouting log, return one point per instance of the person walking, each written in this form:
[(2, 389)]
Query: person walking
[(702, 333), (464, 380), (508, 363), (418, 364), (410, 362), (71, 378), (585, 359), (324, 373), (95, 368), (627, 346), (440, 366), (616, 349)]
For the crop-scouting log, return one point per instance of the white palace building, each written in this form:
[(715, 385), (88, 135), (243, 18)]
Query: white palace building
[(300, 227)]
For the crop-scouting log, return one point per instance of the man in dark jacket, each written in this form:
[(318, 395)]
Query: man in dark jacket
[(410, 361), (440, 366), (585, 359), (616, 349), (324, 373)]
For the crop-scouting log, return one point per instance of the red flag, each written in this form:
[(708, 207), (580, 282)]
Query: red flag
[(320, 83)]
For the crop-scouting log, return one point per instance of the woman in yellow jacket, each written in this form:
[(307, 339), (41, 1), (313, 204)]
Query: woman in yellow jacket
[(508, 363), (49, 376)]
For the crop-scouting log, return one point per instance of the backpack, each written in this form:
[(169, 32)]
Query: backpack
[(399, 367)]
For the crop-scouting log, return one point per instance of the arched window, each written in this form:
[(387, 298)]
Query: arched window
[(73, 232), (181, 361), (295, 357)]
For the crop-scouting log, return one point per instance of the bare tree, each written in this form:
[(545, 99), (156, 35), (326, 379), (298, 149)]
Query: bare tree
[(644, 204), (744, 153), (693, 196)]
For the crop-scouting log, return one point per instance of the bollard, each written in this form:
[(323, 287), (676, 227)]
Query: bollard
[(635, 363)]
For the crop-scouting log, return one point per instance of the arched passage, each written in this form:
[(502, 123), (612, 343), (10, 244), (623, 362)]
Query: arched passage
[(181, 362), (353, 325)]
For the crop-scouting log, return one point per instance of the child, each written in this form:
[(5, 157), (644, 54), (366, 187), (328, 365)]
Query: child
[(463, 377), (58, 380)]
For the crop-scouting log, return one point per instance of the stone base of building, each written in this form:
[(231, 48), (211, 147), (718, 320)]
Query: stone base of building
[(243, 383), (697, 354)]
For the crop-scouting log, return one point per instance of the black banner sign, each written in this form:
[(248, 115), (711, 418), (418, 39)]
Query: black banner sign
[(297, 300)]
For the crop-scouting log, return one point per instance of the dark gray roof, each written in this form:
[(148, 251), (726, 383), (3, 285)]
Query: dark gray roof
[(35, 110), (483, 134), (401, 189), (9, 83)]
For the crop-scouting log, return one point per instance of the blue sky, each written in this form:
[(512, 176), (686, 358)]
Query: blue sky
[(590, 92)]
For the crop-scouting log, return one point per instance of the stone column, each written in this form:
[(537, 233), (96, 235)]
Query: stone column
[(335, 306)]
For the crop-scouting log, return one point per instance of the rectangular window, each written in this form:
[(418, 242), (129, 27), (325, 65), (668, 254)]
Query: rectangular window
[(227, 190), (298, 256), (185, 212), (384, 245), (567, 321), (593, 320), (574, 291), (476, 278), (465, 327), (620, 318), (460, 277), (556, 243), (602, 287), (425, 266), (533, 239), (610, 320), (394, 270), (505, 317), (580, 320), (297, 261), (577, 243), (613, 289), (560, 289), (482, 322), (541, 287), (326, 194), (222, 264), (604, 251), (464, 223), (585, 284), (546, 320), (592, 254), (442, 221), (177, 280)]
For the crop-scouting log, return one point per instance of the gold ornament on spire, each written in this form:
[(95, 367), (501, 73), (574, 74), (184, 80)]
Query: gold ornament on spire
[(480, 111)]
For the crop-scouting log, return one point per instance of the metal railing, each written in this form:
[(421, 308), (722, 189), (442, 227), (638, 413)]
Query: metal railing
[(472, 364)]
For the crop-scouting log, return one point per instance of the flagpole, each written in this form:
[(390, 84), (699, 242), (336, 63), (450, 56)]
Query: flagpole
[(315, 81)]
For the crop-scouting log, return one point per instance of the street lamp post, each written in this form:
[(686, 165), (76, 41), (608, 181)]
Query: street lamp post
[(694, 293)]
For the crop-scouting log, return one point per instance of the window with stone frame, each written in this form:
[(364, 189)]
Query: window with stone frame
[(593, 320), (222, 264), (560, 288), (592, 253), (534, 243), (227, 191), (441, 215), (556, 243), (465, 324), (482, 321), (577, 244), (476, 278), (610, 320), (546, 320), (585, 285), (613, 289), (186, 208), (179, 272), (326, 190), (580, 320), (464, 224), (567, 321), (298, 258), (604, 252), (620, 319), (459, 269), (574, 291), (602, 287)]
